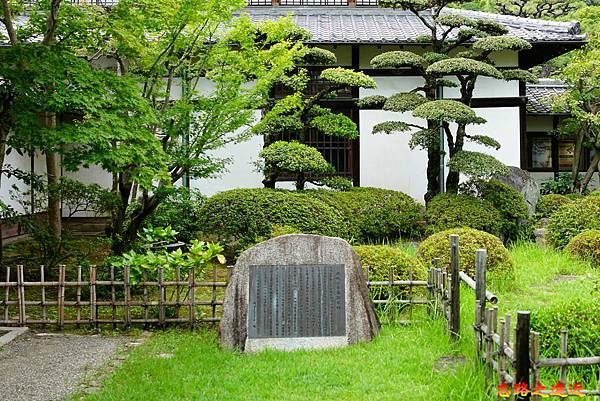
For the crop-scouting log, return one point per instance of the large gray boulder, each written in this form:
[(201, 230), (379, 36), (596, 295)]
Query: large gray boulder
[(523, 182), (297, 291)]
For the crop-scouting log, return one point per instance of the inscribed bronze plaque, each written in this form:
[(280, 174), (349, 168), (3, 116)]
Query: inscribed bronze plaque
[(297, 301)]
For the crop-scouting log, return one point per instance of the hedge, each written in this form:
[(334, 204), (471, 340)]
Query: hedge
[(548, 204), (572, 219), (241, 217), (470, 240), (447, 211), (586, 245), (509, 202), (376, 214), (378, 259)]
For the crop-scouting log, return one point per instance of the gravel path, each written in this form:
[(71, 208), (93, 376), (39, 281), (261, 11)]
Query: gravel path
[(41, 367)]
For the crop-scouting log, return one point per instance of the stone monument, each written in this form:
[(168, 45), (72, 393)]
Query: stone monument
[(297, 291)]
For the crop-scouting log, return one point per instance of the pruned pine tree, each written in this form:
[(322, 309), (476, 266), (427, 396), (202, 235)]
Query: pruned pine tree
[(459, 48), (298, 112)]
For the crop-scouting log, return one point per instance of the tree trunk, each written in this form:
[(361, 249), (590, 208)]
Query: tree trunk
[(3, 137), (453, 179), (117, 237), (53, 178), (433, 173), (590, 172), (577, 155)]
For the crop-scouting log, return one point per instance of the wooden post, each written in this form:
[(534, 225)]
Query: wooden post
[(191, 297), (43, 288), (501, 358), (410, 292), (127, 295), (113, 297), (6, 294), (480, 280), (161, 298), (177, 290), (487, 345), (430, 292), (390, 292), (522, 361), (21, 295), (454, 289), (563, 354), (93, 306), (535, 360), (78, 292), (145, 284), (60, 302)]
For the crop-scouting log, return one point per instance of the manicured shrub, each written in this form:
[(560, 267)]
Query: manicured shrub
[(447, 211), (470, 240), (240, 217), (548, 204), (586, 245), (596, 192), (377, 214), (579, 316), (572, 219), (378, 259), (509, 202), (180, 211)]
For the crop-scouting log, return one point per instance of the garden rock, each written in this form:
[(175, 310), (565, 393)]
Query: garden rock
[(297, 292), (523, 182)]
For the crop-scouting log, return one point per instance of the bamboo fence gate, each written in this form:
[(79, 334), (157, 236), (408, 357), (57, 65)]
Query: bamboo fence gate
[(515, 362)]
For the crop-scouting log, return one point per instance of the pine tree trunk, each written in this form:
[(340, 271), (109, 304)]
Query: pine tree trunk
[(577, 155), (590, 172), (53, 178)]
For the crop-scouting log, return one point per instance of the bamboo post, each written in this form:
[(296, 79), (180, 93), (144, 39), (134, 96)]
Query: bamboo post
[(563, 354), (535, 361), (480, 280), (177, 290), (191, 297), (60, 302), (43, 289), (454, 289), (390, 292), (213, 302), (6, 294), (501, 358), (127, 295), (161, 298), (113, 297), (522, 361), (487, 345), (479, 313), (430, 292), (93, 306), (21, 295), (145, 285), (410, 292), (78, 306)]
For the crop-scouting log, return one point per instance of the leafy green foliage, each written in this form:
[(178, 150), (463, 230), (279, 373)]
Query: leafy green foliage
[(520, 75), (371, 102), (550, 203), (341, 76), (398, 59), (402, 102), (558, 185), (296, 159), (573, 218), (448, 111), (477, 165), (180, 210), (378, 260), (470, 240), (447, 211), (388, 127), (463, 66), (376, 214), (500, 43), (240, 217), (334, 124), (586, 245), (485, 141), (318, 56), (510, 203)]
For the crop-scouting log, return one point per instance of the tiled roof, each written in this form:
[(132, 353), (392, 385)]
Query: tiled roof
[(540, 96), (362, 25)]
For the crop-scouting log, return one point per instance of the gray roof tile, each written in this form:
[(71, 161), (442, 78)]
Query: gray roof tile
[(540, 96), (362, 25)]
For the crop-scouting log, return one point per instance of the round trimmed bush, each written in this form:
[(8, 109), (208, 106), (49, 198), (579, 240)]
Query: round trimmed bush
[(548, 204), (447, 211), (509, 202), (586, 245), (378, 259), (595, 193), (572, 219), (376, 214), (240, 217), (470, 240)]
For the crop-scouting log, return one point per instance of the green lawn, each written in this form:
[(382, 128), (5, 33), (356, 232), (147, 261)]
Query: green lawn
[(399, 365)]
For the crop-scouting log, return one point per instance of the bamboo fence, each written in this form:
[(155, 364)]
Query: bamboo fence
[(515, 365)]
